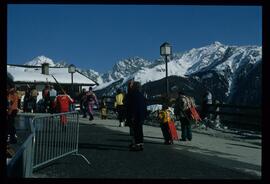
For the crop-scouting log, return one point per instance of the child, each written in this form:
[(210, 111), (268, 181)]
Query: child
[(103, 109), (164, 116)]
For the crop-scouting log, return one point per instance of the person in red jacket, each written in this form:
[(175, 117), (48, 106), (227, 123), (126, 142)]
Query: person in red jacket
[(62, 102)]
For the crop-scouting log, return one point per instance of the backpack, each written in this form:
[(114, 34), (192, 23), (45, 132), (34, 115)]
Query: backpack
[(185, 103), (164, 116), (190, 110)]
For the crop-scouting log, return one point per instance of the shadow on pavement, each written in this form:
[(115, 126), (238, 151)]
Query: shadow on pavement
[(102, 147), (255, 147), (156, 161)]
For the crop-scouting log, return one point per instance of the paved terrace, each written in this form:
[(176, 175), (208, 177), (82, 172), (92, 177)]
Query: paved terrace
[(105, 145)]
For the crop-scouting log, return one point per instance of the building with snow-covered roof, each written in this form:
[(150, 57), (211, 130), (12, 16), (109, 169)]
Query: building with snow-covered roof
[(39, 76)]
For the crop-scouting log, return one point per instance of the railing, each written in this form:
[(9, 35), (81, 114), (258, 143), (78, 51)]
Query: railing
[(52, 137), (21, 163), (56, 136), (235, 115)]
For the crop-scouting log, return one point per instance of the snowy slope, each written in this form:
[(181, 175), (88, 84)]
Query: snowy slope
[(38, 61), (220, 68), (217, 66), (33, 74)]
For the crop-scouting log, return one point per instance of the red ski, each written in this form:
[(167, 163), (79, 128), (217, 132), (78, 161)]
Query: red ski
[(173, 131)]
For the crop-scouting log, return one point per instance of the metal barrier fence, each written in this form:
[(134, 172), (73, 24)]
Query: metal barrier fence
[(21, 163), (55, 136), (48, 139)]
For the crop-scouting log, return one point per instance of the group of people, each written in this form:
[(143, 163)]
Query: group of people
[(51, 102), (185, 112), (44, 105), (131, 110)]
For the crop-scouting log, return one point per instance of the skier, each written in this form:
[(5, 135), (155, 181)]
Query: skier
[(90, 101), (182, 111)]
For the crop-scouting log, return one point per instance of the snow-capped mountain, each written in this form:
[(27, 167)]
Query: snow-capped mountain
[(92, 74), (219, 68), (38, 61), (232, 73), (125, 68)]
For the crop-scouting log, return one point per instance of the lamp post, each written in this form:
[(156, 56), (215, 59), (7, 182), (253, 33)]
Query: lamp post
[(166, 50), (71, 70)]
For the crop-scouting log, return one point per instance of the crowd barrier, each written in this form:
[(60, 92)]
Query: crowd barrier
[(52, 136), (21, 163)]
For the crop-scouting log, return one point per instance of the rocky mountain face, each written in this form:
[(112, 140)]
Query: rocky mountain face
[(232, 73), (125, 68)]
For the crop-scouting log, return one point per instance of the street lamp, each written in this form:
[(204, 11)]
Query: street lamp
[(71, 70), (166, 50)]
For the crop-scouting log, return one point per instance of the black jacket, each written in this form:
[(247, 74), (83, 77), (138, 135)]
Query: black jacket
[(136, 106)]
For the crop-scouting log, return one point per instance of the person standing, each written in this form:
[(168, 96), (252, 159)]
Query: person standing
[(164, 117), (103, 108), (91, 100), (62, 103), (26, 100), (34, 94), (52, 94), (136, 112), (20, 94), (206, 103), (127, 104), (12, 110), (46, 97), (119, 105), (182, 105), (82, 98)]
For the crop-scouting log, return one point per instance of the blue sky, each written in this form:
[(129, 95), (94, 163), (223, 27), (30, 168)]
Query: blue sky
[(98, 36)]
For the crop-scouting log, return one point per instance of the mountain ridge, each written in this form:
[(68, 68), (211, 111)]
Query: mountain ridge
[(226, 65)]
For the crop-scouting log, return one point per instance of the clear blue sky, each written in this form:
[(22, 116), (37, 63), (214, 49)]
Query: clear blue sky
[(98, 36)]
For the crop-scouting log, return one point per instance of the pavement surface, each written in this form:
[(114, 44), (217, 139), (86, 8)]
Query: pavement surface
[(105, 145)]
